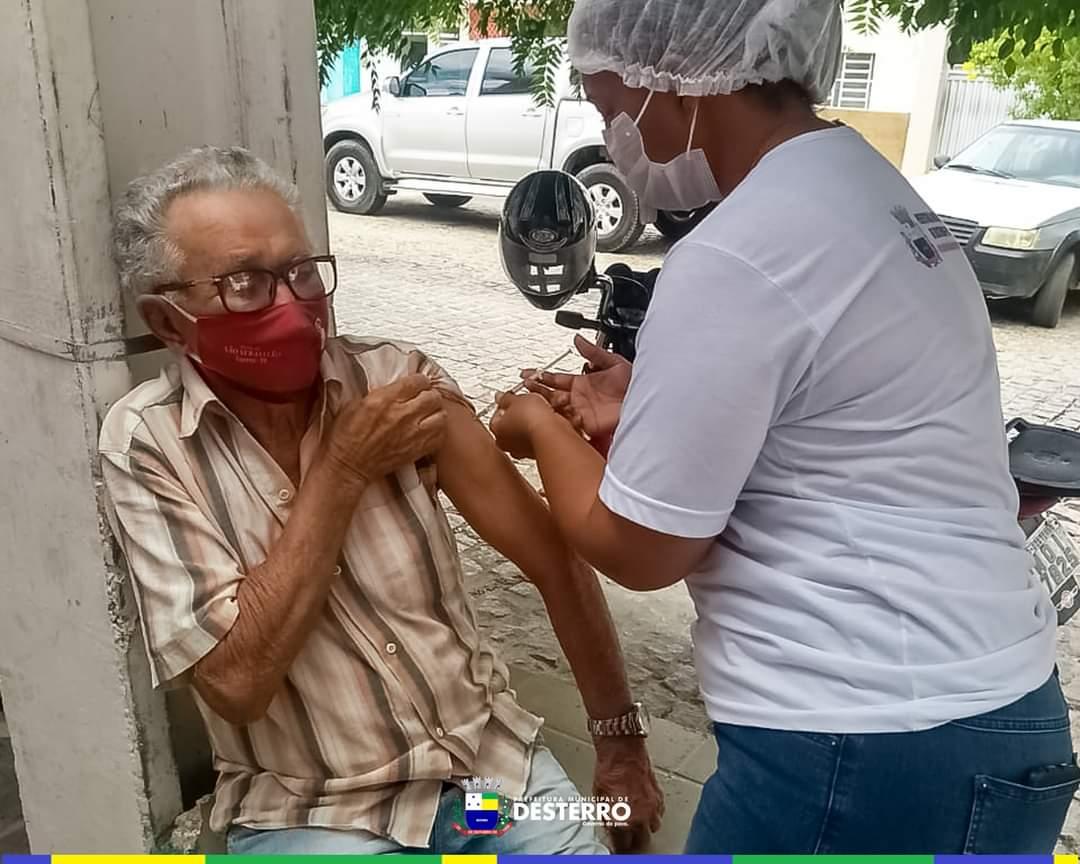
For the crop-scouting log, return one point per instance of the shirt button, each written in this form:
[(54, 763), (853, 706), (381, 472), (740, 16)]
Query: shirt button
[(391, 648), (439, 731), (284, 496)]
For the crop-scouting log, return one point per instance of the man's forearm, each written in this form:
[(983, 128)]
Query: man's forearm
[(281, 600), (582, 622)]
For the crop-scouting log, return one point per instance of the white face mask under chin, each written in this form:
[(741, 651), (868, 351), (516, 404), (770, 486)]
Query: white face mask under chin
[(684, 183)]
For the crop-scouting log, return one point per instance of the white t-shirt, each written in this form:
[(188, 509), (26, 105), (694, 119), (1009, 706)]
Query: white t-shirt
[(816, 386)]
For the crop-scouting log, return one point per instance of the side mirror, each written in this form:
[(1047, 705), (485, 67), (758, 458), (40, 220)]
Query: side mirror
[(940, 161), (393, 86)]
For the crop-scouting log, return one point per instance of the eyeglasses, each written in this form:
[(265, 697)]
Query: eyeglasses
[(254, 289)]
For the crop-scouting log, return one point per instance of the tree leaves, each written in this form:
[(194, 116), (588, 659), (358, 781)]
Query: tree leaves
[(1045, 75), (538, 26), (864, 16), (932, 12), (382, 24)]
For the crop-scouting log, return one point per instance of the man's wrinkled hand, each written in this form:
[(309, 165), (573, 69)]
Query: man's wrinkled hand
[(624, 770), (390, 427)]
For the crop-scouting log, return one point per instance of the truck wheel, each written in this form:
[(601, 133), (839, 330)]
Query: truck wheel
[(448, 200), (675, 225), (1046, 310), (618, 215), (353, 180)]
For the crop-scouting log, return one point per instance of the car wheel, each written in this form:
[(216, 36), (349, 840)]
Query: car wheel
[(448, 200), (618, 214), (1046, 310), (675, 225), (353, 181)]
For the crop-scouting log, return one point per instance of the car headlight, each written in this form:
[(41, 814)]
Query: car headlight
[(1010, 238)]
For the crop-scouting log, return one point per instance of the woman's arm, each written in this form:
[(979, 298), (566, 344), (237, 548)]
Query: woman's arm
[(636, 557), (721, 352)]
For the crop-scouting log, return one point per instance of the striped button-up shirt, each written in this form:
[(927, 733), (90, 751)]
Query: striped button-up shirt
[(395, 690)]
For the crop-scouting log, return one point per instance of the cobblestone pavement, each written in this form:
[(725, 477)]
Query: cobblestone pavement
[(433, 277)]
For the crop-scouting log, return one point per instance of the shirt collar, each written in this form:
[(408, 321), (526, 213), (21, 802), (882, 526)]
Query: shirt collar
[(198, 395)]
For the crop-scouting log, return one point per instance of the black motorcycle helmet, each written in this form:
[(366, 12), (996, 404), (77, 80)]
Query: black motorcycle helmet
[(547, 237)]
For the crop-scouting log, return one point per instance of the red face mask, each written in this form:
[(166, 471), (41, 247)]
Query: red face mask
[(271, 355)]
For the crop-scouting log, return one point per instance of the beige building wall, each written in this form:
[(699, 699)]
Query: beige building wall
[(887, 131)]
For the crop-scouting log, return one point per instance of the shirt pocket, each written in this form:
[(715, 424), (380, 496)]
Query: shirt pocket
[(1017, 819)]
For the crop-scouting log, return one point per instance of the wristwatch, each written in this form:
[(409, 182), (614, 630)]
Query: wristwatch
[(634, 722)]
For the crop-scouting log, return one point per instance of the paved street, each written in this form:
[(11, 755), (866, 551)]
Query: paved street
[(433, 277)]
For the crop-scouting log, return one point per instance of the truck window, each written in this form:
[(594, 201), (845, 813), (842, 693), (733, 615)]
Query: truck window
[(443, 75), (499, 77)]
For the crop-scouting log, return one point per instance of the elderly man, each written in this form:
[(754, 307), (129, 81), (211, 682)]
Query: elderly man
[(276, 495)]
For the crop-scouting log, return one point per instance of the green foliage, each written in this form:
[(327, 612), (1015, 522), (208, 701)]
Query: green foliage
[(381, 23), (537, 26), (864, 16), (1045, 74), (538, 30), (973, 21)]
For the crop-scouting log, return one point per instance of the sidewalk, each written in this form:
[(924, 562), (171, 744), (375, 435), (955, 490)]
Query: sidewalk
[(683, 760)]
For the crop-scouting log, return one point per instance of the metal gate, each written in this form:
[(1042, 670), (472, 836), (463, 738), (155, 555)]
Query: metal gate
[(969, 107)]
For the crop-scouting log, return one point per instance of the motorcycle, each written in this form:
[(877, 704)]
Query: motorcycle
[(624, 298), (1045, 465)]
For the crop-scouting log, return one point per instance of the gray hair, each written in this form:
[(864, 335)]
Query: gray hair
[(145, 256)]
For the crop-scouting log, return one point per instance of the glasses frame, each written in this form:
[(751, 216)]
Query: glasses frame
[(278, 276)]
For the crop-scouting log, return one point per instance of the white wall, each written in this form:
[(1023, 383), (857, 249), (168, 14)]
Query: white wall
[(898, 59), (909, 76)]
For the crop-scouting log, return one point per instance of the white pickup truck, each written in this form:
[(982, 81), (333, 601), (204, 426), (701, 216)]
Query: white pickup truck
[(462, 124)]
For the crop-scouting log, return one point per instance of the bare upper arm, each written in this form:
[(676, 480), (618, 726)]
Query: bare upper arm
[(492, 496)]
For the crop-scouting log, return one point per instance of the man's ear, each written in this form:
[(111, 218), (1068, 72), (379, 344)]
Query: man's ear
[(166, 322)]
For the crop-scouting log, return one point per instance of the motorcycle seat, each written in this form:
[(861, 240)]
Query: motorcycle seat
[(1044, 460)]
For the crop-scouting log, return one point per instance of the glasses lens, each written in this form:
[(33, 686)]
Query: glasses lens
[(247, 292), (313, 279)]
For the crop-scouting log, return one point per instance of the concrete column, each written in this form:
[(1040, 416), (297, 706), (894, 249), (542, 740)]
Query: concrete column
[(96, 91), (931, 74)]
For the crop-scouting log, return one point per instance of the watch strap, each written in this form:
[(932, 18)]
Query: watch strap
[(628, 724)]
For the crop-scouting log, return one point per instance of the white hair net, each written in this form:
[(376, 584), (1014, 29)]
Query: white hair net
[(705, 47)]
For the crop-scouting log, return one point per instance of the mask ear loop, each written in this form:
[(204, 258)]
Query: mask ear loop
[(645, 105), (194, 319), (693, 125)]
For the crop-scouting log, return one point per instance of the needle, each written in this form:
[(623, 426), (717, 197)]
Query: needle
[(521, 385)]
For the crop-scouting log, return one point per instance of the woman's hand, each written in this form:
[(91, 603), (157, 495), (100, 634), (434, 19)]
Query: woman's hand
[(515, 421), (591, 402)]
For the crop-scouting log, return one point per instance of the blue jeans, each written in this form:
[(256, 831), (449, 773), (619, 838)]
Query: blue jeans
[(546, 778), (999, 783)]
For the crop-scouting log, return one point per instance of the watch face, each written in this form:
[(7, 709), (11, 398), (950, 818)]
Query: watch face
[(644, 721)]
